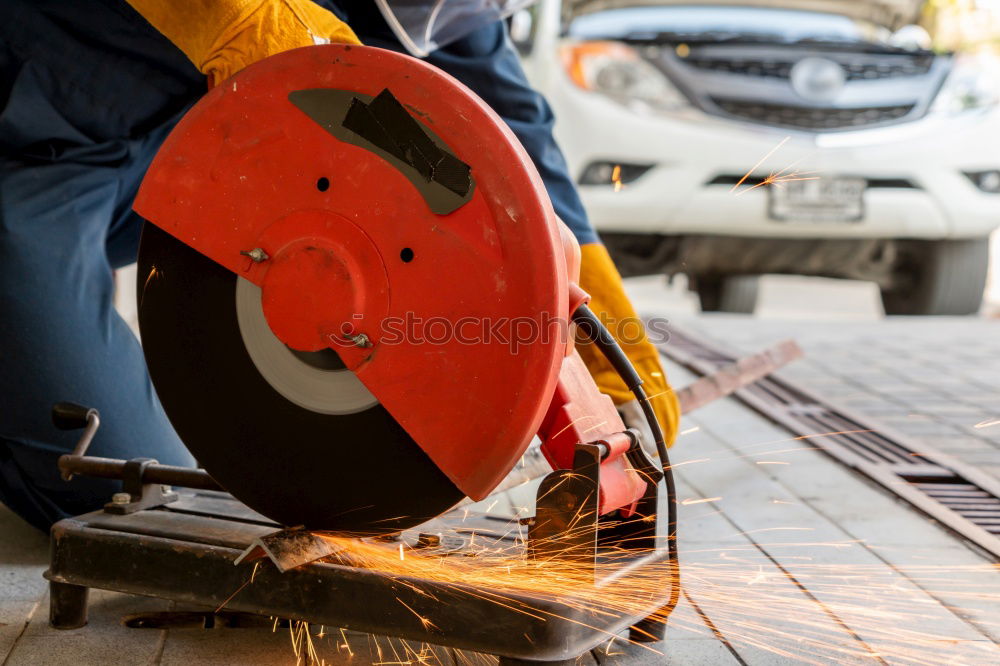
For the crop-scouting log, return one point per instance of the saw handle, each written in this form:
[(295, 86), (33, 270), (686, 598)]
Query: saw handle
[(70, 416)]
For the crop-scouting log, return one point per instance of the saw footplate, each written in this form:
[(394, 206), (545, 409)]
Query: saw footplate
[(207, 549)]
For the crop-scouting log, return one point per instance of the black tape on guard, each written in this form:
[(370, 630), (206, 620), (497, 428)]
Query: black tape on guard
[(385, 123), (383, 127)]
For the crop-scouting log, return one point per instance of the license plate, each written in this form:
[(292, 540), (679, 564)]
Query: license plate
[(836, 199)]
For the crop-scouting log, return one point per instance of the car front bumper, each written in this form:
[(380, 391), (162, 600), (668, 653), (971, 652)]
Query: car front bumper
[(690, 150)]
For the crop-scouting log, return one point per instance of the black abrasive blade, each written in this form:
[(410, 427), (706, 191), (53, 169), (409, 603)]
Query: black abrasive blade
[(356, 471)]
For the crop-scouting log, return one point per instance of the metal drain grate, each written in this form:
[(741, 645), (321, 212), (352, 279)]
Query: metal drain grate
[(965, 498), (960, 497)]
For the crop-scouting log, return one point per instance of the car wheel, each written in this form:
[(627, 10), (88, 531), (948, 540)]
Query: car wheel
[(938, 278), (736, 293)]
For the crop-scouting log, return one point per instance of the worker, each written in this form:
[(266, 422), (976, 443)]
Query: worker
[(88, 91)]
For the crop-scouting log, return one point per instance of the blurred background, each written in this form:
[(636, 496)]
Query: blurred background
[(848, 151)]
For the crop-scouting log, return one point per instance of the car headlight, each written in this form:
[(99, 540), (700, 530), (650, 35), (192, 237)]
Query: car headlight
[(974, 83), (617, 71)]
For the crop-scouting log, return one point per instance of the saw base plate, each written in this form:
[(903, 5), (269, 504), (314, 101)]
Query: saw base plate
[(185, 552)]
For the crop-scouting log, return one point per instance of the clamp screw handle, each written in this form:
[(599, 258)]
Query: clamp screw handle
[(71, 416)]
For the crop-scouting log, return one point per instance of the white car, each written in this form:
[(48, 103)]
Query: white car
[(869, 156)]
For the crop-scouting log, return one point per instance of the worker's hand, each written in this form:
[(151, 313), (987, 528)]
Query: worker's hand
[(600, 279), (221, 37)]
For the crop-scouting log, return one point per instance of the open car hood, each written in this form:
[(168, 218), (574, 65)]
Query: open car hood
[(892, 14)]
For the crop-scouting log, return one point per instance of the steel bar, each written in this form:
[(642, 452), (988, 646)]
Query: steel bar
[(732, 377)]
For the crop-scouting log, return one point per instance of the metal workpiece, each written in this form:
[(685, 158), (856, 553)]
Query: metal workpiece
[(288, 549)]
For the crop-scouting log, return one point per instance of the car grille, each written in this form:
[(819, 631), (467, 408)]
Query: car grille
[(856, 70), (812, 118)]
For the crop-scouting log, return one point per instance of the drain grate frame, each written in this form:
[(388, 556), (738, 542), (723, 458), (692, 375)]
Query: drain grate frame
[(960, 497)]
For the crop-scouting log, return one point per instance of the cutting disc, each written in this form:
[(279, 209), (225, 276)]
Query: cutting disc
[(300, 464), (343, 242)]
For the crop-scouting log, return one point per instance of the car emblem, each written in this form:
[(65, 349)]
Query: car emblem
[(818, 79)]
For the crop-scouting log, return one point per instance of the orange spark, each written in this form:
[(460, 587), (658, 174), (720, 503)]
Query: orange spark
[(762, 160), (423, 620), (154, 272), (689, 502), (775, 178), (594, 427)]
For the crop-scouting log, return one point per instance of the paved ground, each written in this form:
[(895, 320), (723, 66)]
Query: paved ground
[(934, 378), (787, 557), (938, 381)]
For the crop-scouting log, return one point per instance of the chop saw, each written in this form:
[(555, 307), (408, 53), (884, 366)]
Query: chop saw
[(358, 308), (355, 298)]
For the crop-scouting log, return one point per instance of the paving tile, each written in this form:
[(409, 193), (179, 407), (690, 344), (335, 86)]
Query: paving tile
[(232, 647), (913, 397), (957, 412), (702, 652), (24, 555), (988, 401), (924, 427), (942, 402), (982, 458), (840, 391), (960, 445), (972, 430), (991, 469), (264, 646), (104, 640), (873, 403)]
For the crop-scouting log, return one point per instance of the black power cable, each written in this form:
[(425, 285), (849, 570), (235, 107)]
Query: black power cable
[(594, 329)]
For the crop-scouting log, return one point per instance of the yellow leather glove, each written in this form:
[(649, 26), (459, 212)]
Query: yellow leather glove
[(221, 37), (600, 279)]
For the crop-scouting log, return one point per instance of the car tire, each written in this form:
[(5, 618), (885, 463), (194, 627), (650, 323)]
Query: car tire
[(735, 293), (939, 278)]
